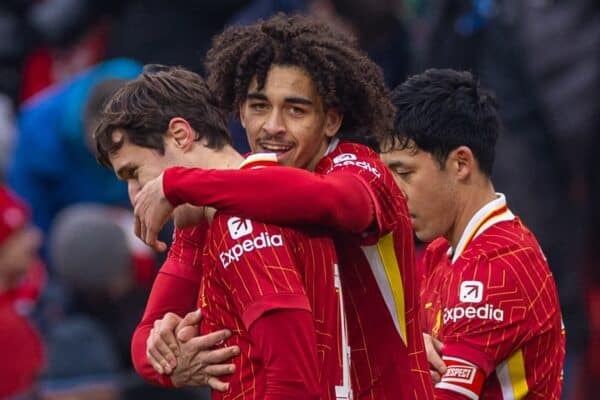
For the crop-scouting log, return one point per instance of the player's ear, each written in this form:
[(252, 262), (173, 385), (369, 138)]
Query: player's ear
[(181, 132), (333, 122), (462, 162)]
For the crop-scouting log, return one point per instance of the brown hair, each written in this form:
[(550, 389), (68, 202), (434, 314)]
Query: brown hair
[(344, 76), (142, 109)]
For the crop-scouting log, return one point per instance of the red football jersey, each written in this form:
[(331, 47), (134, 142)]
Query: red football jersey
[(251, 268), (381, 290), (494, 304)]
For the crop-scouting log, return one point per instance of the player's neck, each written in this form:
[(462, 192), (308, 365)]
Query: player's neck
[(471, 200), (225, 158)]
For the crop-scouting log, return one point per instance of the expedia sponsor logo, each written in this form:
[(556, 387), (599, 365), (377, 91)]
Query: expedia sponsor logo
[(462, 374), (350, 159), (344, 157), (471, 292), (249, 245), (486, 311), (239, 227)]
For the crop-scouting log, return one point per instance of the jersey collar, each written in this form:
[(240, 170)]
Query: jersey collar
[(332, 145), (493, 212), (259, 160)]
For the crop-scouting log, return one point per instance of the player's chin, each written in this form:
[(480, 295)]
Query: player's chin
[(422, 234)]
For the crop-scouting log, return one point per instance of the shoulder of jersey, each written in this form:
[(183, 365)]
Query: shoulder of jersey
[(437, 249), (356, 149), (499, 239)]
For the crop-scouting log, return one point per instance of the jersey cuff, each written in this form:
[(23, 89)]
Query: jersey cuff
[(462, 377), (273, 302)]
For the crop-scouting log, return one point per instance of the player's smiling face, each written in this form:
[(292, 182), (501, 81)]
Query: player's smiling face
[(429, 190), (287, 117)]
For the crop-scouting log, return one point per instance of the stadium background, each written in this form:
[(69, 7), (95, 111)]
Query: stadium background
[(541, 57)]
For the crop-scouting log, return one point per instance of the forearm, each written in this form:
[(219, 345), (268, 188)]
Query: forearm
[(277, 195), (287, 341), (169, 294)]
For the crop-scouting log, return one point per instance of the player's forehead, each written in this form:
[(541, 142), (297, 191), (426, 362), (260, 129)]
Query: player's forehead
[(395, 153), (286, 82)]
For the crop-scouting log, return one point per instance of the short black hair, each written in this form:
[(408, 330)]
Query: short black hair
[(442, 109), (345, 78)]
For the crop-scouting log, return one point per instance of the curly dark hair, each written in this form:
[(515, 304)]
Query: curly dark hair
[(442, 109), (345, 78), (143, 108)]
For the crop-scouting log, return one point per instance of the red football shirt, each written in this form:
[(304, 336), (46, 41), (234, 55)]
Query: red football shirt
[(494, 304), (376, 262), (252, 269), (381, 290)]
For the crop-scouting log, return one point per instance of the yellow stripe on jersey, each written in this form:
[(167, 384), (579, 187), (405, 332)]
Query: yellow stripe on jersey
[(384, 264), (438, 324), (511, 374), (516, 371)]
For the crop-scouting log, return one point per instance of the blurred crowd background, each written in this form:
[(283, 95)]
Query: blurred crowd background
[(73, 277)]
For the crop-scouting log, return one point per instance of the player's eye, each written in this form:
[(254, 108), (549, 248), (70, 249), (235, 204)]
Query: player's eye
[(258, 106), (297, 111), (403, 174)]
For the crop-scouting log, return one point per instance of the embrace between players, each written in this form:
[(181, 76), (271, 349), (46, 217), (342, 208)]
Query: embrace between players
[(300, 257)]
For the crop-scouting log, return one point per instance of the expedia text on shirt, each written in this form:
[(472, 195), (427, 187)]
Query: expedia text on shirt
[(342, 162), (486, 311), (249, 245)]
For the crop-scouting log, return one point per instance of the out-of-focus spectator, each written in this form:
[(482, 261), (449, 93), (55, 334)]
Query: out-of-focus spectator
[(175, 32), (97, 257), (67, 37), (13, 46), (53, 165), (15, 40), (19, 340), (82, 362), (7, 131), (542, 59)]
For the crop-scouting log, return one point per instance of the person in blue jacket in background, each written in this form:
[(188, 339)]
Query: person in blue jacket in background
[(53, 163)]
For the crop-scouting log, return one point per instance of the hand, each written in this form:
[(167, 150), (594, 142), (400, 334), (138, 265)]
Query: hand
[(162, 346), (151, 210), (198, 365), (188, 326), (433, 348)]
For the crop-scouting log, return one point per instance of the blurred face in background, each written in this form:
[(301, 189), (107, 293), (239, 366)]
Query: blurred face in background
[(17, 254)]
